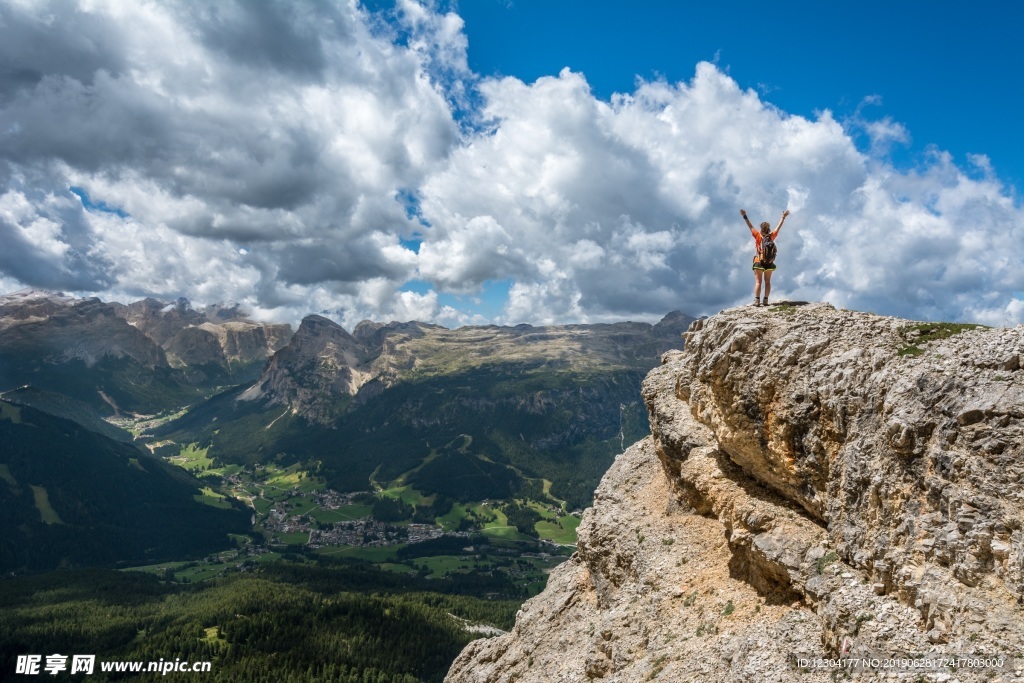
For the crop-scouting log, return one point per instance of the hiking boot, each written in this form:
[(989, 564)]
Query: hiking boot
[(764, 302), (757, 302)]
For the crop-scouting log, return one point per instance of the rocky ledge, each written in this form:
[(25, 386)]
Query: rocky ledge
[(819, 484)]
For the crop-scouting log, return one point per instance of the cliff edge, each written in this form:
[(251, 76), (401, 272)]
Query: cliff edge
[(819, 484)]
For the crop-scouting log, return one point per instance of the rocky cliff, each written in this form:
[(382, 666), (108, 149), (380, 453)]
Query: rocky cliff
[(819, 484)]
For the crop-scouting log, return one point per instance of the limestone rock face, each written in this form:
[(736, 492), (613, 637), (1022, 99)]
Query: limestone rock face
[(245, 341), (195, 346), (817, 485), (160, 320), (213, 336)]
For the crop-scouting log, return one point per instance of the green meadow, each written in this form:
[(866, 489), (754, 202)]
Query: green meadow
[(42, 500)]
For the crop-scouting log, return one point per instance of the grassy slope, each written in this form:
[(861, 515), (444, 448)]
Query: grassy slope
[(71, 497)]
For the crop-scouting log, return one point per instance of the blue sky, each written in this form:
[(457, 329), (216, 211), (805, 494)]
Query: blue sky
[(503, 161)]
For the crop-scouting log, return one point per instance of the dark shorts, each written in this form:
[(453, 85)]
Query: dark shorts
[(757, 265)]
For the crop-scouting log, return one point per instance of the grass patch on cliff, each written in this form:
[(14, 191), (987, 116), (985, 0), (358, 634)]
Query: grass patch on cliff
[(922, 333), (10, 412), (825, 560)]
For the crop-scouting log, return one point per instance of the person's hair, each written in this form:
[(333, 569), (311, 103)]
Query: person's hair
[(766, 227)]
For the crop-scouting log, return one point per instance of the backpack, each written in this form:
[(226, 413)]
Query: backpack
[(768, 249)]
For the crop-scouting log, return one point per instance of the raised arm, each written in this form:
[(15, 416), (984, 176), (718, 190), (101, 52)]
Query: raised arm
[(781, 221), (749, 224)]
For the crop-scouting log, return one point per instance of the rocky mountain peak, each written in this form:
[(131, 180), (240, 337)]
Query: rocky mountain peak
[(160, 320), (31, 303), (672, 322), (321, 364), (819, 483), (313, 322), (320, 335)]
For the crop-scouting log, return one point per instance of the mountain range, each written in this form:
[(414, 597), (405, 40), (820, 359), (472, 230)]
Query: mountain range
[(113, 359), (476, 413), (377, 406)]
